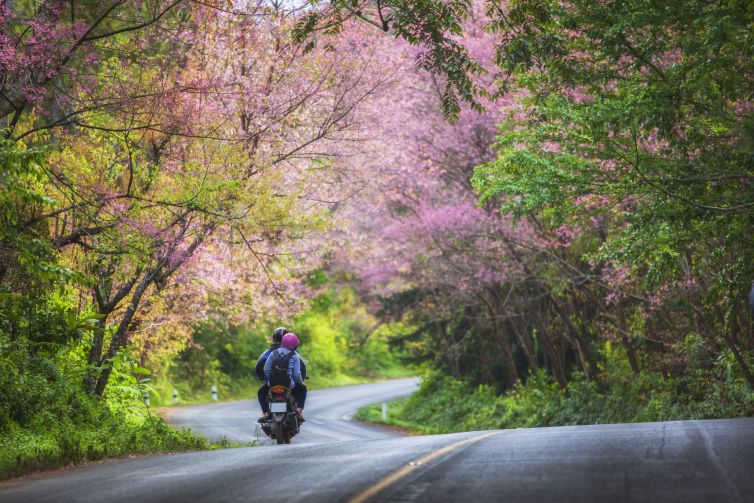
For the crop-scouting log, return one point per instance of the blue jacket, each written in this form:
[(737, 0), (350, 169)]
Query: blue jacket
[(259, 369), (294, 367)]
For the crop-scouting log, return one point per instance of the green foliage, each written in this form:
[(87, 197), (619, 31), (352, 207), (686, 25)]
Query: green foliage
[(634, 140), (26, 255), (444, 404), (341, 342), (219, 354), (94, 433), (641, 117), (47, 420), (322, 342)]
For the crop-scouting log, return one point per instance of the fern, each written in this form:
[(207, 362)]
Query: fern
[(45, 367)]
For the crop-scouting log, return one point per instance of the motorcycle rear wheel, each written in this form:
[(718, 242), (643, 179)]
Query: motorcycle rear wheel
[(280, 436)]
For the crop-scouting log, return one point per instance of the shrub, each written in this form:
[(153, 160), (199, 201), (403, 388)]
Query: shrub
[(443, 404)]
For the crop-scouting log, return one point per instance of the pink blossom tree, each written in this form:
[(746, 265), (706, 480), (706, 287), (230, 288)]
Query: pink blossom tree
[(467, 275), (193, 165)]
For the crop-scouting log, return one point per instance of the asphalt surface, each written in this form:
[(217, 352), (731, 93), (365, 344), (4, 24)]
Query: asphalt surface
[(328, 414), (686, 461)]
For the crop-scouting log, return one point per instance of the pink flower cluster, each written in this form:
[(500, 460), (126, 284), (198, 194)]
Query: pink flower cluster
[(593, 201), (459, 218), (567, 234), (36, 50)]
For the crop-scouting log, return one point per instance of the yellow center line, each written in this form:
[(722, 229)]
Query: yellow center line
[(402, 472)]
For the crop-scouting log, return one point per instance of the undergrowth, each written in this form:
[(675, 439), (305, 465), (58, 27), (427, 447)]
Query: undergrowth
[(444, 405)]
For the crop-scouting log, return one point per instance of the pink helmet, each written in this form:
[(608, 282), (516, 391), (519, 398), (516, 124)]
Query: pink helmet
[(290, 341)]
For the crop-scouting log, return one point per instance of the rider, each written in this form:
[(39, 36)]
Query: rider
[(296, 384), (277, 338)]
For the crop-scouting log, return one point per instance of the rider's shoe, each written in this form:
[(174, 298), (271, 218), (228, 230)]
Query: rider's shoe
[(264, 417), (300, 414)]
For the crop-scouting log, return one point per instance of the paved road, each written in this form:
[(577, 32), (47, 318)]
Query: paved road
[(328, 414), (687, 461)]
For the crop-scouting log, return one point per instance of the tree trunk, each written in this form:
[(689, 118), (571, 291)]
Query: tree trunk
[(120, 337), (630, 352), (510, 364), (582, 351), (556, 364), (526, 348), (95, 355), (556, 358), (526, 345), (745, 370)]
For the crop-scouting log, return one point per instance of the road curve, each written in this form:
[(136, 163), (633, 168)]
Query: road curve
[(683, 461), (328, 414)]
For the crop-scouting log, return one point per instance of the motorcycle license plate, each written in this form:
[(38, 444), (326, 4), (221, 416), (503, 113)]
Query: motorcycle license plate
[(278, 407)]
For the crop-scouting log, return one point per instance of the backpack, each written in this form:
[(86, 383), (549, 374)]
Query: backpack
[(279, 375)]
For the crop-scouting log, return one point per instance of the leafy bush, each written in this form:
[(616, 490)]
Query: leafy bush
[(52, 440), (443, 404), (46, 418)]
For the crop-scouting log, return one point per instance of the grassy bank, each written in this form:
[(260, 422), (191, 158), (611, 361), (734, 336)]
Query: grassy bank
[(87, 431), (48, 420), (445, 405)]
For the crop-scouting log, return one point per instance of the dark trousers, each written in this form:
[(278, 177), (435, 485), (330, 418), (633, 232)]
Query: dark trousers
[(299, 394), (262, 397)]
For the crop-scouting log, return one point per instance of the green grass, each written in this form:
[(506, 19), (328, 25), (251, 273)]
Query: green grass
[(71, 428), (60, 443), (373, 414), (446, 405), (48, 421)]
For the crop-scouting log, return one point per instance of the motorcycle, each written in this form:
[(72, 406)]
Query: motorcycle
[(284, 423)]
